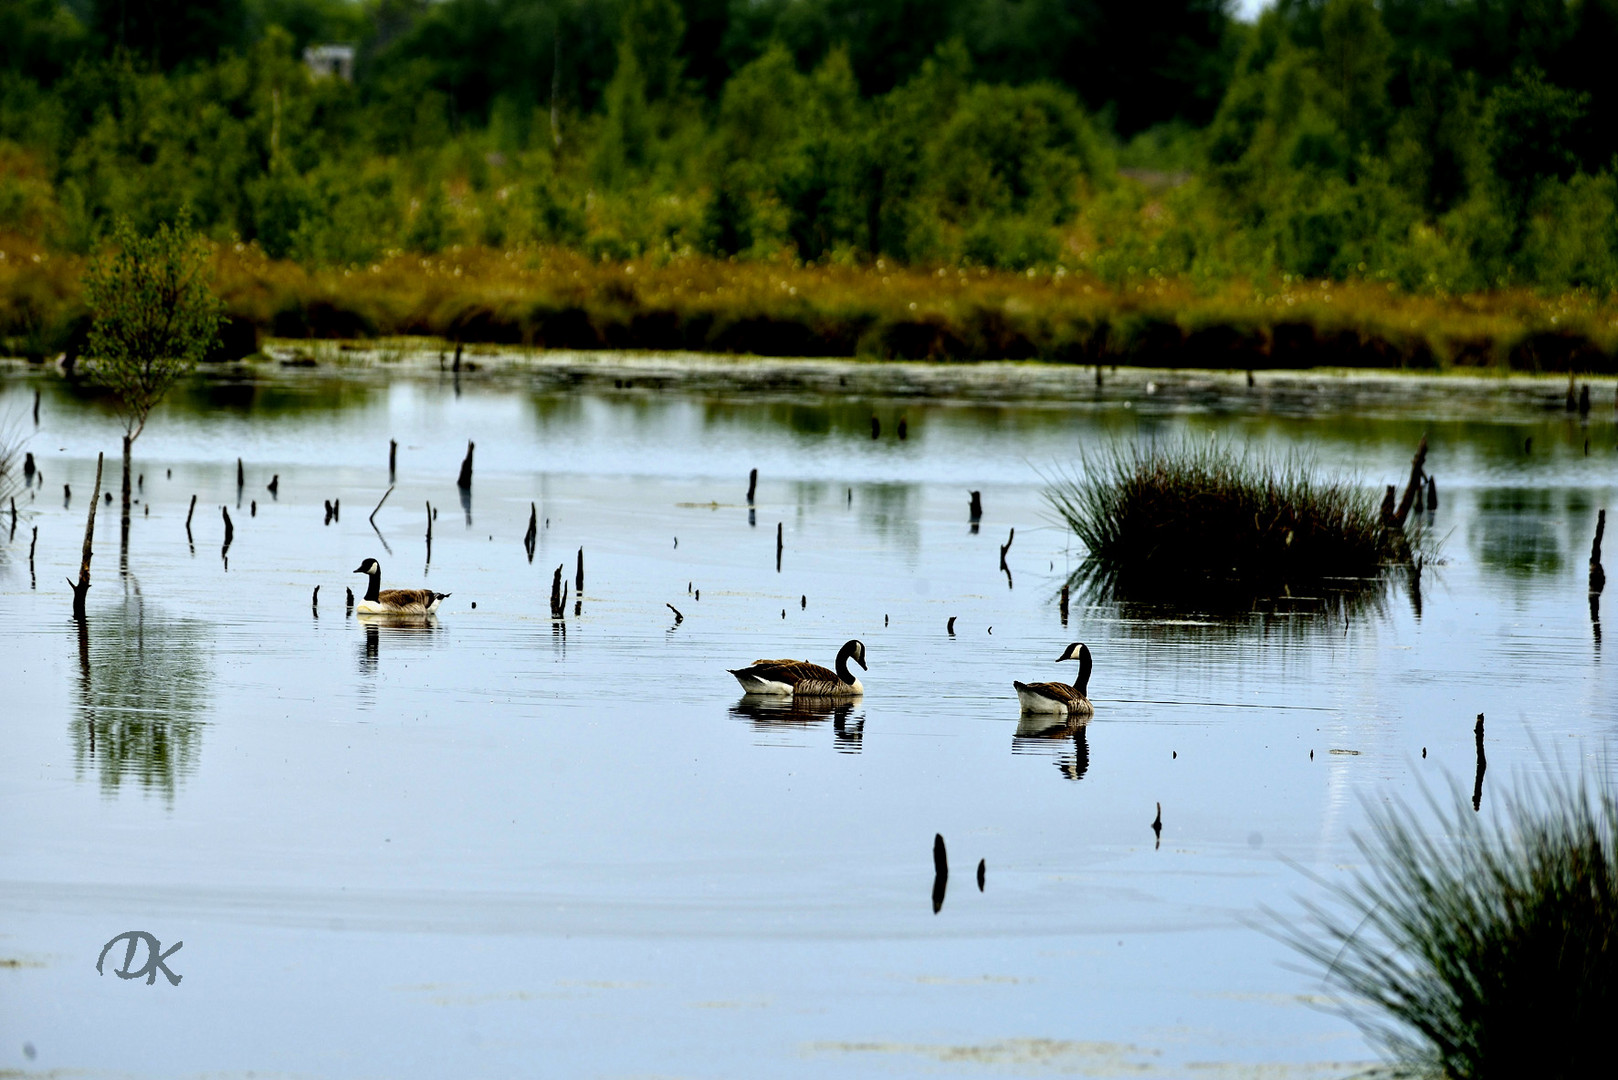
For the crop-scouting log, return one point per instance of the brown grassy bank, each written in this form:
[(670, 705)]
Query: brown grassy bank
[(560, 299)]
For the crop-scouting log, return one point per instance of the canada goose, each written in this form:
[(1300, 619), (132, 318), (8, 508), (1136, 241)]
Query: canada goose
[(393, 601), (1050, 697), (799, 678)]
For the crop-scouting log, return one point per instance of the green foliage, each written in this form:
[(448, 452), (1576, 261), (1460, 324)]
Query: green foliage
[(1466, 937), (1430, 145), (154, 315), (1201, 519)]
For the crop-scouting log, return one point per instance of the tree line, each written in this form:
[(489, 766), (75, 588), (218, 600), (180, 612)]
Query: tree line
[(1436, 144)]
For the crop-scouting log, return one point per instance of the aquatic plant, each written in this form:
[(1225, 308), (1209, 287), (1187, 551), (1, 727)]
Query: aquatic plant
[(1488, 948), (1201, 519)]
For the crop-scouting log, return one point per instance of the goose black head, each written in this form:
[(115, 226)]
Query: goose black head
[(369, 566), (856, 653), (1076, 651)]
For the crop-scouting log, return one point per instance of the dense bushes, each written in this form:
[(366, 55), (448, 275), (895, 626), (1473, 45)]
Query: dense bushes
[(1425, 146)]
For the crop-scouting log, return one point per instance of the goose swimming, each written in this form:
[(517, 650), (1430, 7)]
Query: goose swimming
[(799, 678), (379, 601), (1051, 697)]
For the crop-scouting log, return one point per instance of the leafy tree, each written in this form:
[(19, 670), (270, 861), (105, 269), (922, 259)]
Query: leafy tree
[(154, 317), (1532, 130)]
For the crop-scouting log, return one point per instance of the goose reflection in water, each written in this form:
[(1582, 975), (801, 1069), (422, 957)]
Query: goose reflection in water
[(402, 628), (1047, 735), (768, 714)]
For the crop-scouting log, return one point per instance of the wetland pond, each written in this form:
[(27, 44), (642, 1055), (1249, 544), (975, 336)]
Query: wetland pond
[(502, 845)]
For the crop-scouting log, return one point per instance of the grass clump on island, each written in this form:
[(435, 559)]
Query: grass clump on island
[(1492, 953), (1199, 519)]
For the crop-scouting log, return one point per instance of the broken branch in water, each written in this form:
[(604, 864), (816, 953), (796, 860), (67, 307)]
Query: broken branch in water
[(379, 503)]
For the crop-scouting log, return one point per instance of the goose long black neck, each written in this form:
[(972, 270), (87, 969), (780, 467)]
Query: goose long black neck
[(1082, 683), (373, 590), (842, 664)]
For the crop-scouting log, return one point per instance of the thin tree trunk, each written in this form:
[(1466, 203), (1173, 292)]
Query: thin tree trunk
[(83, 585)]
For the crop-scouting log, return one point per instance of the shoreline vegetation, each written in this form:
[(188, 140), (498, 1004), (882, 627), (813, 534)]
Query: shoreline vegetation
[(1340, 183), (555, 298)]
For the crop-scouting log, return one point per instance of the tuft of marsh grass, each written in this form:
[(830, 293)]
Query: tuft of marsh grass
[(1199, 518), (1492, 953)]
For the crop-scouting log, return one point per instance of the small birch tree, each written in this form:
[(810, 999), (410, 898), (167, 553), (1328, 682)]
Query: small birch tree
[(154, 317)]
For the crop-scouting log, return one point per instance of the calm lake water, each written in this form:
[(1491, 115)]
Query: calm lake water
[(506, 846)]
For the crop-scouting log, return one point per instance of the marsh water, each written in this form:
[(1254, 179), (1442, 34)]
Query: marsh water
[(500, 844)]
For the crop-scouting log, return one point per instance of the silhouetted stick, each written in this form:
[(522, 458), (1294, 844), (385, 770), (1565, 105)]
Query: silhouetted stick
[(558, 594), (876, 428), (1157, 825), (28, 469), (31, 544), (13, 535), (1584, 400), (252, 508), (1598, 576), (241, 477), (949, 627), (314, 602), (1416, 465), (531, 537), (975, 509), (1005, 547), (1483, 765), (778, 547), (578, 580), (274, 486), (904, 429), (1432, 494), (36, 408), (752, 485), (188, 514), (1063, 606), (379, 503), (678, 618), (83, 585), (983, 868), (457, 367), (1387, 505), (464, 481), (393, 458), (940, 872), (230, 530)]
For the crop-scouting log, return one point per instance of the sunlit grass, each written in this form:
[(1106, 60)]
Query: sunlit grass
[(556, 297), (1487, 948), (1198, 518)]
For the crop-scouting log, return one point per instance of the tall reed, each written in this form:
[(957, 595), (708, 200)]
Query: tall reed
[(1201, 517), (1489, 950)]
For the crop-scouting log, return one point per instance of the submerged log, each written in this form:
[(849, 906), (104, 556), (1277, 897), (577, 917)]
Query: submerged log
[(1417, 464)]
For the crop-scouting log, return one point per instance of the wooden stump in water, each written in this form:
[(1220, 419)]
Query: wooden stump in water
[(82, 586), (1598, 576), (464, 481), (752, 485), (974, 509)]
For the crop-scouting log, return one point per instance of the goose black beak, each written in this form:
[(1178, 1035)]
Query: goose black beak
[(359, 569)]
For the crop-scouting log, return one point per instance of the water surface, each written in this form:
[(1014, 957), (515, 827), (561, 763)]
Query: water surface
[(500, 840)]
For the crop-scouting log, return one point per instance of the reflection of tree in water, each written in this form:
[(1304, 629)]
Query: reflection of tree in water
[(143, 682), (766, 714), (1518, 531), (1064, 738)]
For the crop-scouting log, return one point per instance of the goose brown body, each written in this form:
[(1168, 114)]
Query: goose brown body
[(1055, 697), (380, 601), (800, 678)]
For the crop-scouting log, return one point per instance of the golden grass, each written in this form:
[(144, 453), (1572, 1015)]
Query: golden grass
[(561, 298)]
